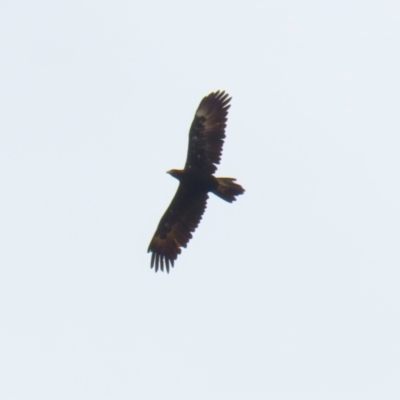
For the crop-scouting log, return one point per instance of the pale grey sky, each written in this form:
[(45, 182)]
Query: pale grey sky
[(292, 292)]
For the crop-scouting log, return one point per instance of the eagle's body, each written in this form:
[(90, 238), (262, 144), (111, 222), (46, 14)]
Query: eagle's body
[(195, 180), (183, 215)]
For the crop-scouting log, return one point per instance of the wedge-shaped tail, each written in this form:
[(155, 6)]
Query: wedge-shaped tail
[(227, 189)]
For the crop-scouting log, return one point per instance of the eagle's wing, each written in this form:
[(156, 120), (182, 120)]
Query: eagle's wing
[(207, 133), (176, 226)]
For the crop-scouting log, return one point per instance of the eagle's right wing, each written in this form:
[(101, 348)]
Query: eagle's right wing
[(176, 226)]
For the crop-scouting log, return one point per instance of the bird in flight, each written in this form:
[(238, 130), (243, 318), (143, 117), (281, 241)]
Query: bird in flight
[(196, 180)]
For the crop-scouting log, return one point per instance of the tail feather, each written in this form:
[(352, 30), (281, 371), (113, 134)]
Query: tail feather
[(227, 189)]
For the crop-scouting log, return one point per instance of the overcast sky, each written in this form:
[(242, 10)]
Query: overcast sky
[(292, 292)]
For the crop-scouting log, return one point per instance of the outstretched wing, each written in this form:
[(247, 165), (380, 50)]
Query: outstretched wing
[(207, 133), (176, 226)]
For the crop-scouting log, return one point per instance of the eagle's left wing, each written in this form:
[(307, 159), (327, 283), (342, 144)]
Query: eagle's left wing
[(207, 133)]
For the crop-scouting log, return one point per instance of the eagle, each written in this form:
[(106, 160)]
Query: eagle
[(196, 181)]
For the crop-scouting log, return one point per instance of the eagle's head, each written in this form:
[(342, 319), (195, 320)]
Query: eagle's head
[(176, 173)]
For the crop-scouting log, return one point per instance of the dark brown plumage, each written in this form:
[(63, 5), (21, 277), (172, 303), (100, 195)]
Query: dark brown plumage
[(206, 138)]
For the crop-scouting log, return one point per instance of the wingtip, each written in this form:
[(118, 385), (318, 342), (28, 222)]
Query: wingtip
[(158, 261)]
